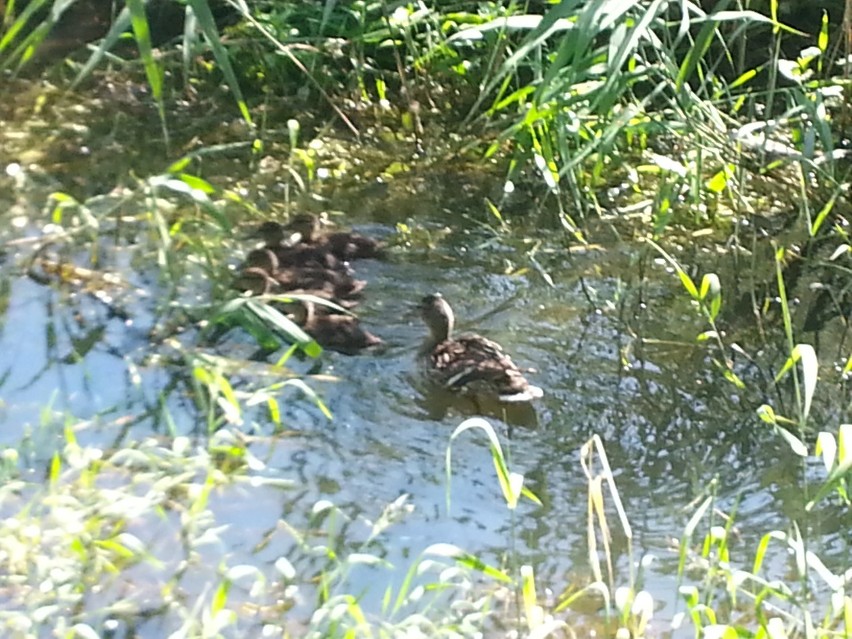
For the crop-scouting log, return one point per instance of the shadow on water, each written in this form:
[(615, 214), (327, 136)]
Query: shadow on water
[(615, 353)]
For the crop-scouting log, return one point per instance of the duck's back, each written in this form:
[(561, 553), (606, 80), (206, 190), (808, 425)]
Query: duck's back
[(341, 333), (351, 246), (475, 364)]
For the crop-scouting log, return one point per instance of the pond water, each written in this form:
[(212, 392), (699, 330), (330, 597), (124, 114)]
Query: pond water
[(611, 338)]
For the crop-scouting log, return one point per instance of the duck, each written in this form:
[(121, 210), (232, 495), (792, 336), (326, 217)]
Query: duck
[(336, 285), (254, 280), (262, 258), (469, 363), (333, 284), (341, 333), (279, 240), (344, 245)]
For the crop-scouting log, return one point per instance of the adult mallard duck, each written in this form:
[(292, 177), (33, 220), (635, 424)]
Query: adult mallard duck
[(469, 363), (344, 245)]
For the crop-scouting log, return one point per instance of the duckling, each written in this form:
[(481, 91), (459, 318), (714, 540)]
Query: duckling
[(336, 285), (343, 245), (275, 237), (257, 281), (254, 280), (469, 363), (262, 258), (342, 333)]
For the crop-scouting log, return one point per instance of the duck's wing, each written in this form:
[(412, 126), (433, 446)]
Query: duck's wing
[(476, 363)]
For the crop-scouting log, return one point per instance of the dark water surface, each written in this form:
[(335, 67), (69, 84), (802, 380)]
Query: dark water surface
[(616, 356)]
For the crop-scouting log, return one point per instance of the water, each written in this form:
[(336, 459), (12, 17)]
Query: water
[(615, 353)]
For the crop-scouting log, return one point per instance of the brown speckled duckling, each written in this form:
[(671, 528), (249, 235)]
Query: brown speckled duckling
[(342, 333), (278, 239), (344, 245), (262, 258), (334, 284), (254, 280), (257, 281), (469, 363)]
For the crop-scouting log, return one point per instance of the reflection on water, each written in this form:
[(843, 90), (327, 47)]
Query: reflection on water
[(438, 403), (669, 424)]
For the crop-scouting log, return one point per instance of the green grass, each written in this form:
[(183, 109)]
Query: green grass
[(115, 536), (599, 109)]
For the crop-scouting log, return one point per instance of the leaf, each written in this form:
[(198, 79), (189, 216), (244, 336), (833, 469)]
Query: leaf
[(711, 288), (283, 565), (810, 369), (220, 597), (466, 559), (745, 77), (796, 444), (844, 444), (822, 40), (202, 12), (312, 395), (823, 213), (840, 250), (119, 26), (696, 54), (197, 183), (153, 71), (767, 414), (510, 483), (720, 179), (839, 475), (275, 319), (687, 282), (179, 165), (826, 447), (196, 189)]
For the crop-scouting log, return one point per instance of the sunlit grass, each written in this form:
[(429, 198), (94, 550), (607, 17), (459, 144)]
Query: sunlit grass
[(605, 105), (114, 537)]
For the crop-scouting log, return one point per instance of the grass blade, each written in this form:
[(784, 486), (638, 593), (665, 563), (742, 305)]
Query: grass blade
[(207, 23)]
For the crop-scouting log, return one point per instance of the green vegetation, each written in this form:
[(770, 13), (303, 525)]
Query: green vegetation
[(663, 124)]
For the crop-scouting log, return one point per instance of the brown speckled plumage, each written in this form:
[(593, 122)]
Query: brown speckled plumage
[(344, 245), (342, 333), (327, 283), (298, 260), (469, 363), (254, 280), (279, 240)]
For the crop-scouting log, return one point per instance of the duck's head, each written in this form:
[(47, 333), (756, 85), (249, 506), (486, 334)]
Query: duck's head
[(306, 225), (437, 315), (263, 259), (253, 280), (300, 311), (272, 233)]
